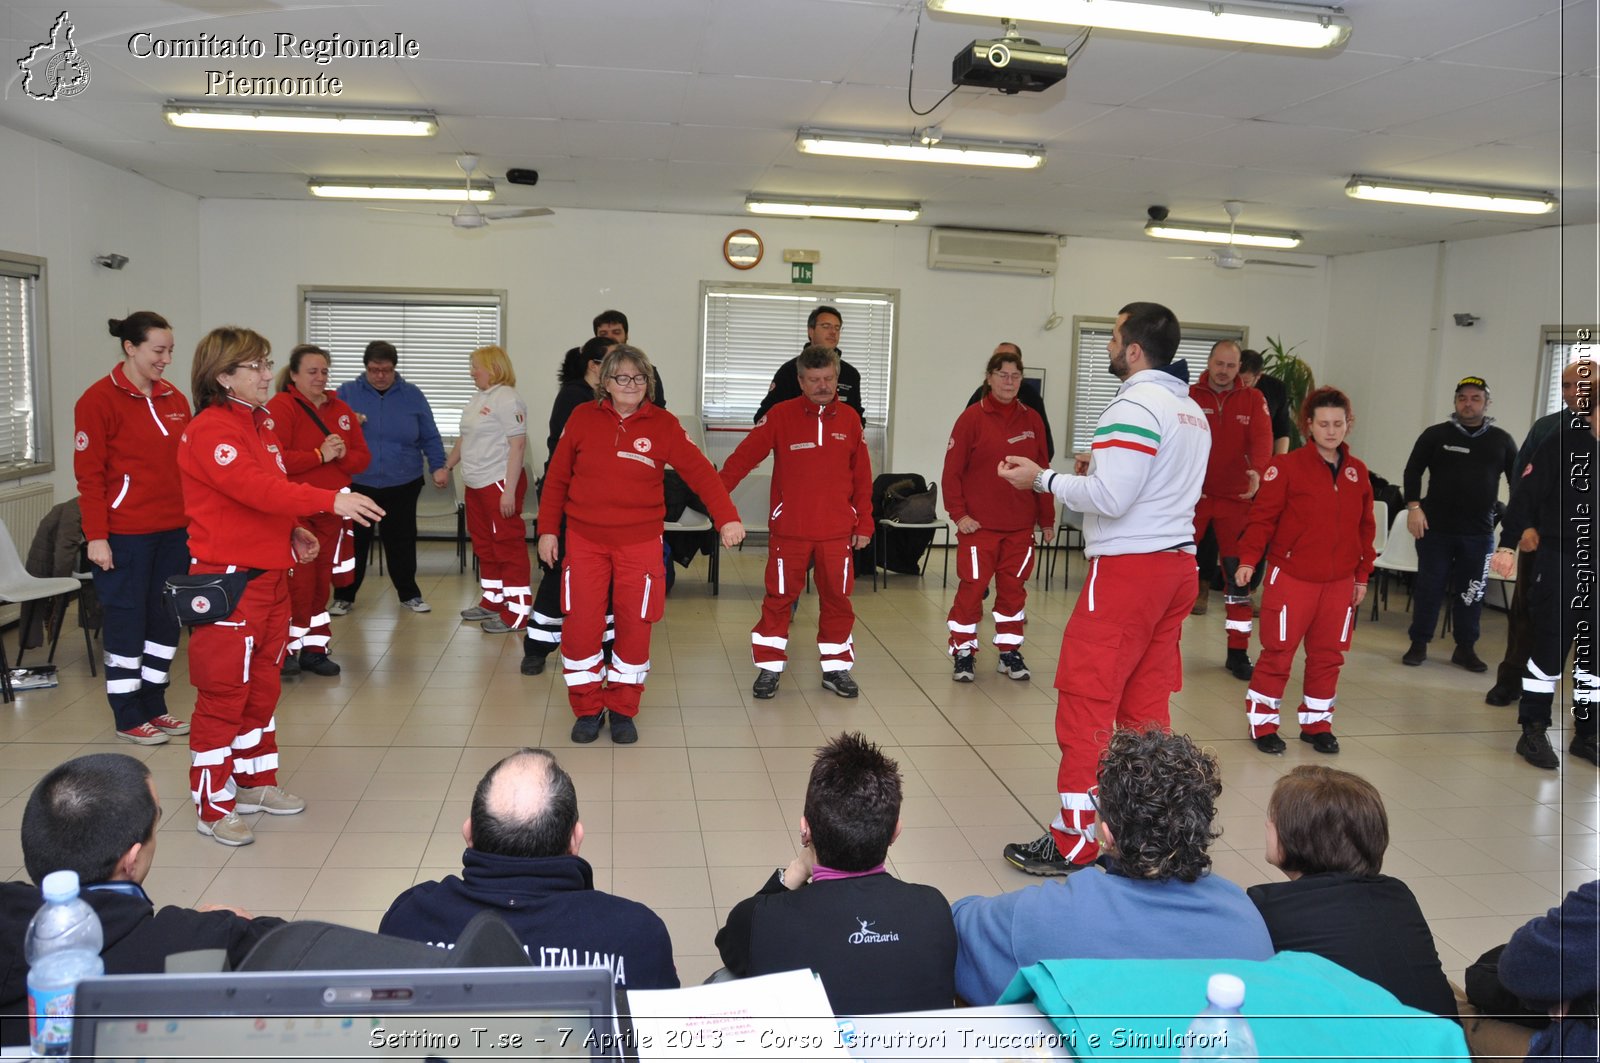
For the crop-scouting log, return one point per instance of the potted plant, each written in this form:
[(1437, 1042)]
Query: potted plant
[(1298, 381)]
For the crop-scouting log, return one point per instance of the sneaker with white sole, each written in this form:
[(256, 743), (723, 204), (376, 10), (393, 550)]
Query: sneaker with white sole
[(416, 605), (340, 607), (1011, 664), (273, 800), (963, 673), (1039, 857), (169, 724), (229, 830), (841, 683), (477, 613), (144, 735), (495, 626)]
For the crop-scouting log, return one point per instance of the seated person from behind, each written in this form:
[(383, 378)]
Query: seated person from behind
[(1327, 831), (879, 944), (1156, 898), (522, 861), (97, 815), (1553, 962)]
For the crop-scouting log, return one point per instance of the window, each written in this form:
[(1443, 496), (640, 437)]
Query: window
[(1560, 347), (434, 331), (25, 447), (1093, 386)]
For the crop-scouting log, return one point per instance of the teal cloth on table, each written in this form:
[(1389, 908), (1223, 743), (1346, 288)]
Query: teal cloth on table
[(1298, 1005)]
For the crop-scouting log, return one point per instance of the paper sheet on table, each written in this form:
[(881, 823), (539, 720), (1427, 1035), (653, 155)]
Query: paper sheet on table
[(773, 1016)]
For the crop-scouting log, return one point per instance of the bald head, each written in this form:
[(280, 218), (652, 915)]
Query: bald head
[(525, 806), (1577, 386)]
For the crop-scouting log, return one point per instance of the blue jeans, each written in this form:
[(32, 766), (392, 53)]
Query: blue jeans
[(1459, 564)]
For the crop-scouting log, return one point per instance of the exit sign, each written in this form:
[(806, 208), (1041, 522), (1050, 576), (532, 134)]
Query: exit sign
[(800, 272)]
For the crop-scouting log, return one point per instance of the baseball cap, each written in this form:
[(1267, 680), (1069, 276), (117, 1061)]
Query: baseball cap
[(1473, 382)]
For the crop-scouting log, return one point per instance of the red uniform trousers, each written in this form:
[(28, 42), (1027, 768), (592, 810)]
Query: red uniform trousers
[(501, 543), (1292, 610), (787, 560), (1007, 557), (1229, 517), (309, 583), (1119, 667), (636, 581), (234, 665)]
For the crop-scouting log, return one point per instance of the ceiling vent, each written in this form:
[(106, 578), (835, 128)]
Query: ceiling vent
[(987, 251)]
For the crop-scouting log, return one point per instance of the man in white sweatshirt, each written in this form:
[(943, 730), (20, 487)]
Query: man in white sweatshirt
[(1119, 659)]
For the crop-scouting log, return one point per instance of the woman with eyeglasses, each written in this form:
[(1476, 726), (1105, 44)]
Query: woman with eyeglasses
[(605, 482), (489, 449), (242, 512), (323, 446), (994, 521), (126, 429)]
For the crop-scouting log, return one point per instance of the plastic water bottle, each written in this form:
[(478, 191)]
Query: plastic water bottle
[(1220, 1032), (63, 948)]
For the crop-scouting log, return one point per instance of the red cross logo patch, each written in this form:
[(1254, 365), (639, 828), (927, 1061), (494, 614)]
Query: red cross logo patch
[(224, 454), (642, 446)]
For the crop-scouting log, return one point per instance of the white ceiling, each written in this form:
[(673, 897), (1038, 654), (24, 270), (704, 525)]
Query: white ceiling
[(689, 105)]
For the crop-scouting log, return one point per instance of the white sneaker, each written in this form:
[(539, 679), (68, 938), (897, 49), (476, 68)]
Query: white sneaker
[(339, 607), (416, 605), (273, 800), (229, 830)]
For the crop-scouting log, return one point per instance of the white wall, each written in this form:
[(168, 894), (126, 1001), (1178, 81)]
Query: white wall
[(67, 209)]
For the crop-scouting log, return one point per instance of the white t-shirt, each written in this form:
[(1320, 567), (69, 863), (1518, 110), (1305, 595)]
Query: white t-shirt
[(491, 418)]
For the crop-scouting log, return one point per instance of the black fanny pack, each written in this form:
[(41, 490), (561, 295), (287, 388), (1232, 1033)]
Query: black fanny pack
[(205, 598)]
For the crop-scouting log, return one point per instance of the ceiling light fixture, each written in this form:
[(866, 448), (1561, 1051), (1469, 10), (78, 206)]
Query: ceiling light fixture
[(300, 120), (1285, 25), (850, 209), (376, 188), (1443, 194), (1206, 233), (913, 149)]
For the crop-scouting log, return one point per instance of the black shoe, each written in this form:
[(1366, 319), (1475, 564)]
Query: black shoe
[(1039, 857), (318, 664), (1585, 746), (586, 729), (1465, 658), (1501, 696), (963, 668), (1239, 665), (291, 665), (841, 684), (1271, 743), (766, 684), (532, 664), (1534, 747), (1322, 741), (623, 731), (1011, 664), (1416, 654)]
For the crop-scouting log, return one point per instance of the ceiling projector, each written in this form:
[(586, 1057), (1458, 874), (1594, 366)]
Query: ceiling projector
[(1011, 65)]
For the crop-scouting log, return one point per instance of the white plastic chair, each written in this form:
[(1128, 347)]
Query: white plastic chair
[(1380, 517), (17, 587), (1399, 555)]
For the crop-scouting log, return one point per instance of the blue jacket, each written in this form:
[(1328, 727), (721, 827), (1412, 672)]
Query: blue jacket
[(400, 431), (551, 902)]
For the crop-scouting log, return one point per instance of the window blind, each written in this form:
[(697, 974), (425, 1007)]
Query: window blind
[(433, 331), (21, 444)]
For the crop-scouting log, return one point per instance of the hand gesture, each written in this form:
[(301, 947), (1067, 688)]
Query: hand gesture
[(1018, 472), (1080, 464), (358, 508), (1503, 564), (332, 447), (305, 545), (732, 534)]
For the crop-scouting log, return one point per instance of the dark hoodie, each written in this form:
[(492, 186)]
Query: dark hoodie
[(551, 902), (138, 939)]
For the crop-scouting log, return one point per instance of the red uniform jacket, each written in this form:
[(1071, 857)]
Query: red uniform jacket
[(821, 473), (302, 439), (606, 473), (241, 507), (126, 452), (1241, 437), (1319, 525), (985, 433)]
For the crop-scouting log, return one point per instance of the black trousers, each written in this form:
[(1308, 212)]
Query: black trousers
[(1519, 635), (1561, 601), (398, 530)]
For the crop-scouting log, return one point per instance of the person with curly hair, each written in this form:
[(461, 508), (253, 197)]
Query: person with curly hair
[(1156, 899)]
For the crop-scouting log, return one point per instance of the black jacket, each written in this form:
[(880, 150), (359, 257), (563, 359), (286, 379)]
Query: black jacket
[(1464, 467), (138, 940), (1556, 492), (786, 385)]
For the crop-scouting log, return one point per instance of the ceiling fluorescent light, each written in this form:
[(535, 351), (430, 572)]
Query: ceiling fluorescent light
[(912, 149), (1203, 233), (1284, 25), (301, 120), (375, 188), (851, 209), (1441, 194)]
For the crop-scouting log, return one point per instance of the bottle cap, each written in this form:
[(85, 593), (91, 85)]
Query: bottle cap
[(1225, 991), (59, 886)]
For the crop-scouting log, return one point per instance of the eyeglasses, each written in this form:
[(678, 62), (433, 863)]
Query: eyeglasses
[(1009, 378), (629, 381), (263, 366)]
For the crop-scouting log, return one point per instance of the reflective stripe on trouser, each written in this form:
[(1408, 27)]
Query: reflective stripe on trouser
[(1119, 666), (501, 543), (1295, 611), (1006, 557), (634, 577), (834, 577), (1563, 620), (544, 623), (309, 585), (139, 635), (234, 665), (1227, 517)]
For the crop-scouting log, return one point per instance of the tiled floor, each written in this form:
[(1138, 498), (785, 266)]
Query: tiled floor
[(696, 815)]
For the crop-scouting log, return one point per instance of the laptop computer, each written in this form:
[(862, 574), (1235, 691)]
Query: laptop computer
[(433, 1014)]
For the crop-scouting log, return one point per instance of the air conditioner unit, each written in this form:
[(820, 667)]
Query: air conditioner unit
[(987, 251)]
